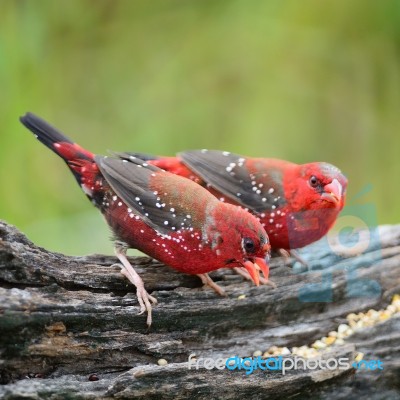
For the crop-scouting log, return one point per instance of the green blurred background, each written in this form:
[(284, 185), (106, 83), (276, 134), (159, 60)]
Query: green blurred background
[(302, 80)]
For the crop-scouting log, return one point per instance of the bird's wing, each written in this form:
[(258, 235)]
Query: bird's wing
[(249, 182), (131, 156), (133, 183)]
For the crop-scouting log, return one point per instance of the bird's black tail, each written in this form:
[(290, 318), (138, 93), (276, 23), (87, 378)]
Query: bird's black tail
[(74, 155), (43, 131)]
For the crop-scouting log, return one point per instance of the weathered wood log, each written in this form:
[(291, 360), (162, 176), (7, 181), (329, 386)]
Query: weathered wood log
[(64, 318)]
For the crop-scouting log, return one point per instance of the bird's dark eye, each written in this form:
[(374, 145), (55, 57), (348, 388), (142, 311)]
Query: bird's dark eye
[(248, 245), (314, 182)]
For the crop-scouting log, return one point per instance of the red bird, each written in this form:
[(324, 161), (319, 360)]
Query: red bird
[(168, 217), (297, 204)]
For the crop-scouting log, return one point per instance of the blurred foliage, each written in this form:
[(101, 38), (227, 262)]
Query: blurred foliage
[(302, 80)]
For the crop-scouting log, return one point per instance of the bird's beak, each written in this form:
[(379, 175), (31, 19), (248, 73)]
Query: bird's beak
[(333, 192), (253, 269)]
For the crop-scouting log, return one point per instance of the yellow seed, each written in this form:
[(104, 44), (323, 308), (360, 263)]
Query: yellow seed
[(162, 362), (396, 301), (339, 341), (360, 325), (348, 332), (257, 353), (373, 314), (384, 315), (332, 334), (301, 353), (318, 345), (369, 323), (353, 323), (391, 308), (352, 317), (295, 350), (241, 297), (273, 349), (342, 328), (285, 351), (312, 353), (359, 357), (329, 340)]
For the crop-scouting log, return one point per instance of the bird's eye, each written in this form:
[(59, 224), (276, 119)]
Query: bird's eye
[(248, 245), (314, 182)]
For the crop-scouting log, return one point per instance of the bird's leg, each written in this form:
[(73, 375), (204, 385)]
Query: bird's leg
[(128, 271), (293, 253), (243, 272), (298, 258), (284, 253), (207, 281)]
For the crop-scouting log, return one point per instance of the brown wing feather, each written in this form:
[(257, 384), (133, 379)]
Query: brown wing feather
[(252, 185), (131, 181)]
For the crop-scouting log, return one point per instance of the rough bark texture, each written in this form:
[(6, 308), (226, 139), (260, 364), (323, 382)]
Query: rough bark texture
[(64, 318)]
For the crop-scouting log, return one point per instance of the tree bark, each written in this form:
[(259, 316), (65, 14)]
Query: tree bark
[(65, 321)]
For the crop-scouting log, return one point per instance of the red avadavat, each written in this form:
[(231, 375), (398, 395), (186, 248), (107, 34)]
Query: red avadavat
[(166, 216)]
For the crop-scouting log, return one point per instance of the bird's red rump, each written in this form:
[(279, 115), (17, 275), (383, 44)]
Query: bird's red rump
[(72, 151), (171, 164)]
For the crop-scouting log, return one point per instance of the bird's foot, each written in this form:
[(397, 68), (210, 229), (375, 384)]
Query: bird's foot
[(207, 281), (144, 298), (243, 272), (293, 253)]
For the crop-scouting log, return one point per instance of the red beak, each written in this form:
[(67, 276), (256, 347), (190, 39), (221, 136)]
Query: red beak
[(253, 271), (254, 268), (260, 262), (333, 192)]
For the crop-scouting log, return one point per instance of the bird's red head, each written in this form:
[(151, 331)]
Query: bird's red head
[(317, 186), (242, 241)]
